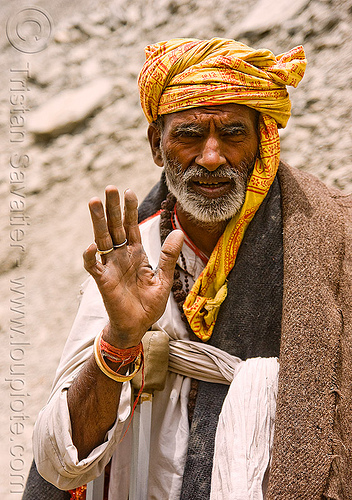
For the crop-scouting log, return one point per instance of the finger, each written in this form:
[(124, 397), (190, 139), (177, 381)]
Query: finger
[(101, 233), (170, 252), (91, 264), (131, 218), (113, 215)]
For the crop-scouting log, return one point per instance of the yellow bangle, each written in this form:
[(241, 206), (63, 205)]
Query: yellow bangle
[(138, 362)]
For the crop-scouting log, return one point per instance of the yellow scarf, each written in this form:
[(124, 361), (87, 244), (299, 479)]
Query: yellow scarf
[(202, 304), (187, 73)]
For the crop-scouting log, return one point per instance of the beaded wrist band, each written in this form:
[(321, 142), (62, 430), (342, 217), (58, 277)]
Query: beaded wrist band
[(126, 356)]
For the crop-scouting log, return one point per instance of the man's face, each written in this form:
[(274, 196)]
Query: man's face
[(208, 154)]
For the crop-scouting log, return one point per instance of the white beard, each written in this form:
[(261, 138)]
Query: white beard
[(199, 207)]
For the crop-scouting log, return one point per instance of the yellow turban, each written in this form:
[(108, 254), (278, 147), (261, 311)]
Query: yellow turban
[(186, 73)]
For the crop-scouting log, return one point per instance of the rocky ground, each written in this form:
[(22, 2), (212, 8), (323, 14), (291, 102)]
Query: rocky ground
[(82, 128)]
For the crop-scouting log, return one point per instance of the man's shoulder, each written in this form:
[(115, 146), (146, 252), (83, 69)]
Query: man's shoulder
[(150, 221), (302, 185)]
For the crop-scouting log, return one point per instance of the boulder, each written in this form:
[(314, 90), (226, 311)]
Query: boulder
[(62, 113), (267, 14)]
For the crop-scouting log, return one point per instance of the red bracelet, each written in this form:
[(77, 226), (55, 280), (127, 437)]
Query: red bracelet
[(122, 356), (125, 357)]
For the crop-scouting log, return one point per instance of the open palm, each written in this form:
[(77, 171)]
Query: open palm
[(134, 294)]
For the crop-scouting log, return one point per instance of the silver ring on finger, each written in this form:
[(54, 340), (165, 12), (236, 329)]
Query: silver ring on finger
[(120, 245), (104, 252)]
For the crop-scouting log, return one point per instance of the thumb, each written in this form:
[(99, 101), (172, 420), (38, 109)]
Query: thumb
[(170, 252)]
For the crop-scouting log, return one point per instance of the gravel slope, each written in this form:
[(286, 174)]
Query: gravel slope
[(100, 138)]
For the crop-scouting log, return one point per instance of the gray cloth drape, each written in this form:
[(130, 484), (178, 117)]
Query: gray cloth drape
[(248, 326)]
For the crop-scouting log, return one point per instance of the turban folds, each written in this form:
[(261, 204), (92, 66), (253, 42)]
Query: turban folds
[(187, 73)]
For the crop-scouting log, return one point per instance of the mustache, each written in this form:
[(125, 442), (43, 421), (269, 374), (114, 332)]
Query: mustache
[(194, 172), (201, 209), (197, 172)]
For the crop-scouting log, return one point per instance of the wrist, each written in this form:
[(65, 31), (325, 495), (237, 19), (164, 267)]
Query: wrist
[(120, 339), (120, 359)]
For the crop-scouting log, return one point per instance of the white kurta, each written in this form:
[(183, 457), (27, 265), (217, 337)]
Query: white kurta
[(247, 418)]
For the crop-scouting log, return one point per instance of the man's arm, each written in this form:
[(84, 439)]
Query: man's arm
[(134, 296), (93, 400)]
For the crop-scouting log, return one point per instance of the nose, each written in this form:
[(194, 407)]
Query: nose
[(211, 156)]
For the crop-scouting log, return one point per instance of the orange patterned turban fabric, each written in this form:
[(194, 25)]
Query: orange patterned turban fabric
[(186, 73)]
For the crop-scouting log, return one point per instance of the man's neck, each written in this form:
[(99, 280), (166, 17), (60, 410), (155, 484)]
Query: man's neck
[(204, 235)]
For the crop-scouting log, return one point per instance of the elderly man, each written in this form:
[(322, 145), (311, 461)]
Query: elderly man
[(263, 279)]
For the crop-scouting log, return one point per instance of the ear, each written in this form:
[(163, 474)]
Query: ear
[(154, 137)]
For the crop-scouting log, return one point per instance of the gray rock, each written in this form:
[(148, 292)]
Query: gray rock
[(309, 120), (64, 112), (267, 14)]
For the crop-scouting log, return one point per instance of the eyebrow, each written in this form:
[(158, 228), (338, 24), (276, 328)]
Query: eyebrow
[(195, 128), (187, 128), (233, 127)]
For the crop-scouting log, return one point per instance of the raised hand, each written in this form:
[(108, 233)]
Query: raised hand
[(134, 294)]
